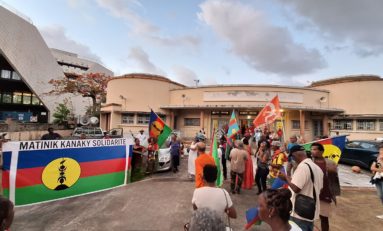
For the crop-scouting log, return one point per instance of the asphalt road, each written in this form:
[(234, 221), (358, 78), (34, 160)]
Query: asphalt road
[(163, 202)]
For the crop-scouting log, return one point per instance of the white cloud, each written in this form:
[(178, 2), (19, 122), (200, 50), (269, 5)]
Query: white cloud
[(142, 59), (263, 46), (56, 37), (359, 22), (185, 75), (124, 9)]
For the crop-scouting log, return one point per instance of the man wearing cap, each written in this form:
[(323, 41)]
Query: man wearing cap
[(292, 143), (142, 137), (301, 183)]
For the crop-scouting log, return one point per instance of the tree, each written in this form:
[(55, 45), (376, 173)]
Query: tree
[(61, 113), (91, 85)]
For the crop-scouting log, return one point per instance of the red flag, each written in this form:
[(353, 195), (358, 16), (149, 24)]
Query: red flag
[(269, 113)]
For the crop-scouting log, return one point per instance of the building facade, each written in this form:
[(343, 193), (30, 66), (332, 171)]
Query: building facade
[(307, 111), (26, 67)]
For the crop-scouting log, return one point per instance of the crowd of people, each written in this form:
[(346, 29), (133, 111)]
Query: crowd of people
[(262, 160)]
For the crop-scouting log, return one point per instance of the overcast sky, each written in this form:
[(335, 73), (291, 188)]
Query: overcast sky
[(279, 42)]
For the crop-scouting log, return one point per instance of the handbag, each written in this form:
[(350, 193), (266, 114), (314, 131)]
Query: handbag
[(305, 206)]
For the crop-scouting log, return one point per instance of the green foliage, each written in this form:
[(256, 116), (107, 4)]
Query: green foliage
[(61, 114)]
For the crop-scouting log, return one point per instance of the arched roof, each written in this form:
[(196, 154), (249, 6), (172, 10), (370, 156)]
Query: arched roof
[(146, 76), (346, 79)]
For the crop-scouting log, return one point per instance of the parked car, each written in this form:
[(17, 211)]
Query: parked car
[(360, 153), (96, 133), (164, 157), (164, 160)]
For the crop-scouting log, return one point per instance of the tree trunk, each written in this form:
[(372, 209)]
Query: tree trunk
[(94, 106)]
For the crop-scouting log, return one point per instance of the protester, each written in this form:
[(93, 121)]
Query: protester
[(238, 157), (209, 196), (137, 158), (278, 159), (248, 177), (205, 219), (377, 179), (141, 136), (263, 156), (51, 135), (222, 147), (280, 134), (175, 152), (274, 206), (202, 160), (191, 158), (307, 180), (290, 164), (152, 153), (327, 195), (6, 213)]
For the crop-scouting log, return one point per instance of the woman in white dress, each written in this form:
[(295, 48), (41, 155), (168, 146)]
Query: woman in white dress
[(191, 158)]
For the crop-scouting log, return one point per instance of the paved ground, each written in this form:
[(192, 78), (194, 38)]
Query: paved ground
[(163, 202)]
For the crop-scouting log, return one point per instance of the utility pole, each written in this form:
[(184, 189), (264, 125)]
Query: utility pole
[(196, 82)]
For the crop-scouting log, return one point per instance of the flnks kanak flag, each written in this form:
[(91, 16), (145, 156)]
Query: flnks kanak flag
[(269, 113), (333, 147), (233, 126), (37, 171), (158, 129)]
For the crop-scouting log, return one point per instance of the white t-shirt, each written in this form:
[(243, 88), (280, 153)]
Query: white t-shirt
[(142, 138), (212, 198), (294, 226), (191, 158), (302, 179)]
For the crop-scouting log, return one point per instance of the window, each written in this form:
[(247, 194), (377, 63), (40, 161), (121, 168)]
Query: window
[(17, 97), (353, 144), (381, 125), (368, 125), (143, 118), (7, 97), (163, 117), (342, 125), (191, 122), (127, 118), (15, 76), (296, 124), (6, 74), (27, 98), (368, 146), (35, 100)]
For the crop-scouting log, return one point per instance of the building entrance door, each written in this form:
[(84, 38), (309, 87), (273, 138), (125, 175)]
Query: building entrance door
[(220, 124), (317, 128)]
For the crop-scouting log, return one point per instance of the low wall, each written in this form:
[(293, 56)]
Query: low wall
[(33, 135)]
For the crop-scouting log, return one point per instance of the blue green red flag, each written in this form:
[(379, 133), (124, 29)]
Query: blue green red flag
[(158, 129), (37, 171), (233, 126), (252, 217), (333, 147)]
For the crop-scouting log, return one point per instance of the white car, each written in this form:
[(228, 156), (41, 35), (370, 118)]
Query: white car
[(164, 159)]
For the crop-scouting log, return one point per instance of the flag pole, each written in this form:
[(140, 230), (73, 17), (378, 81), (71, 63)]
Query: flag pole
[(283, 127)]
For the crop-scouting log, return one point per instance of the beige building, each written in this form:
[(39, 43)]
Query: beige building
[(360, 98), (345, 105)]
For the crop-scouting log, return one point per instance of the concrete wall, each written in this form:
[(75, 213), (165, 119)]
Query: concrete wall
[(360, 100), (34, 135)]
